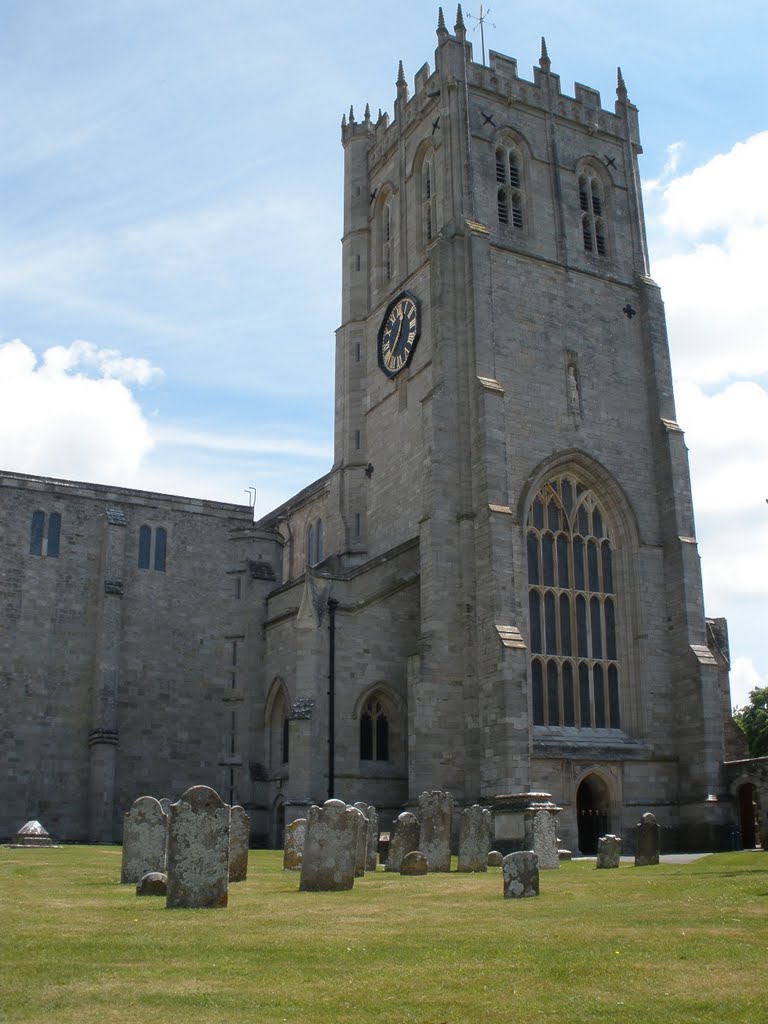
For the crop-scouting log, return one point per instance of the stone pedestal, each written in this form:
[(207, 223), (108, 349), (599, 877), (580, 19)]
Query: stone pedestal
[(513, 815)]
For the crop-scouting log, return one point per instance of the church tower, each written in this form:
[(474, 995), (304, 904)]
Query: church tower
[(504, 398)]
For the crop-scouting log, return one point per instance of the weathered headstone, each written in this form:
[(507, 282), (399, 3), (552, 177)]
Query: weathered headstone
[(414, 863), (145, 835), (154, 883), (32, 834), (361, 845), (404, 839), (608, 851), (198, 850), (545, 840), (646, 841), (520, 874), (373, 833), (330, 848), (293, 849), (239, 836), (435, 814), (495, 859), (474, 838)]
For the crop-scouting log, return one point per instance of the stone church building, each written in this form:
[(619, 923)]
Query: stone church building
[(496, 587)]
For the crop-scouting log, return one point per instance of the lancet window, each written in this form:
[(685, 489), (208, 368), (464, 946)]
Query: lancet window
[(374, 731), (592, 205), (42, 541), (509, 186)]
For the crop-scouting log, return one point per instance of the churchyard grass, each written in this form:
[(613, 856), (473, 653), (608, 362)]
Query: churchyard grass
[(679, 944)]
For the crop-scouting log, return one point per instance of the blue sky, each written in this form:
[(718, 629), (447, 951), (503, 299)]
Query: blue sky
[(171, 178)]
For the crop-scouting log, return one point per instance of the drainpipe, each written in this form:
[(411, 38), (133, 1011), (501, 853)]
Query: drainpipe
[(332, 606)]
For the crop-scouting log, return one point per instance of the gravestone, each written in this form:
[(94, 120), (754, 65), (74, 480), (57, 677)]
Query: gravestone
[(154, 883), (474, 838), (373, 833), (198, 850), (32, 834), (293, 850), (435, 814), (330, 848), (145, 836), (495, 859), (520, 875), (361, 845), (545, 840), (414, 863), (608, 851), (404, 839), (646, 841), (239, 836)]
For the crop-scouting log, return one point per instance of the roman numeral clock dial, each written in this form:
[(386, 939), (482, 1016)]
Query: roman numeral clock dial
[(398, 334)]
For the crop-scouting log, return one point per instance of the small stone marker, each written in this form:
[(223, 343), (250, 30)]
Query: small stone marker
[(435, 814), (545, 840), (32, 834), (361, 845), (373, 833), (474, 838), (154, 883), (293, 850), (145, 837), (414, 863), (495, 859), (198, 850), (239, 836), (520, 874), (330, 848), (646, 841), (404, 839), (608, 851)]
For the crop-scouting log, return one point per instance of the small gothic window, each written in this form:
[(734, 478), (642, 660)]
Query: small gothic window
[(592, 211), (36, 534), (509, 178), (146, 549), (374, 732), (311, 546), (54, 532), (428, 199), (386, 238)]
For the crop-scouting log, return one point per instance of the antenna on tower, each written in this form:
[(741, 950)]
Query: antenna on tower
[(481, 23)]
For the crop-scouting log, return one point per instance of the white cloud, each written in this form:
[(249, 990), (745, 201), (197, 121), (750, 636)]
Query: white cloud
[(58, 422), (717, 219), (744, 678), (674, 152)]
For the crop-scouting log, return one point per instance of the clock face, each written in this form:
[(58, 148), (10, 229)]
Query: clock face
[(398, 334)]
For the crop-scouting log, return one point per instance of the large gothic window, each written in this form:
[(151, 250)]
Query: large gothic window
[(573, 609)]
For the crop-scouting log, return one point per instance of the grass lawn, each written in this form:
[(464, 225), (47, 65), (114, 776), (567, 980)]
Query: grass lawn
[(683, 943)]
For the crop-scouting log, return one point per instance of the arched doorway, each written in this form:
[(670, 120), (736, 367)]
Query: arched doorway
[(593, 813), (278, 824), (747, 801)]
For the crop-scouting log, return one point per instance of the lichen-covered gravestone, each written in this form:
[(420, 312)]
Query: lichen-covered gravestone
[(608, 851), (435, 814), (646, 841), (198, 850), (145, 836), (414, 863), (404, 839), (330, 848), (520, 874), (373, 833), (293, 849), (474, 838), (361, 847), (545, 840), (239, 835)]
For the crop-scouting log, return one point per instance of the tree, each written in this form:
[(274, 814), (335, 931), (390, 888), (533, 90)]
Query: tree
[(753, 719)]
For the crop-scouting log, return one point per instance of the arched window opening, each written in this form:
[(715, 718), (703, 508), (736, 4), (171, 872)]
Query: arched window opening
[(319, 541), (509, 178), (278, 723), (428, 199), (374, 732), (386, 239), (573, 609), (592, 207), (39, 537), (311, 545), (36, 533)]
